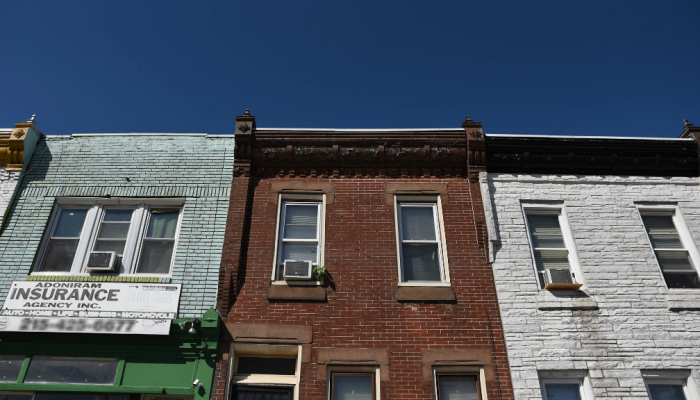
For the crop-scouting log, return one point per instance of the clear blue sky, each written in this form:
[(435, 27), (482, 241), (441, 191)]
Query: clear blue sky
[(622, 68)]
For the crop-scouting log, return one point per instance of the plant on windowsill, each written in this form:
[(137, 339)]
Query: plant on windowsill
[(321, 272)]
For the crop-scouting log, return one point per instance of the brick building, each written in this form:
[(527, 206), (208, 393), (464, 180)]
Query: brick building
[(406, 306), (109, 266), (622, 216)]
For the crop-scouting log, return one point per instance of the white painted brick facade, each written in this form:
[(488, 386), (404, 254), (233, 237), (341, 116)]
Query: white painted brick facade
[(632, 328), (8, 183)]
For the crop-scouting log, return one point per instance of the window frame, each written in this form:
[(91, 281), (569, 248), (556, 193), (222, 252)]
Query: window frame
[(421, 201), (301, 198), (683, 233), (680, 377), (354, 370), (264, 380), (91, 228), (471, 370), (558, 209)]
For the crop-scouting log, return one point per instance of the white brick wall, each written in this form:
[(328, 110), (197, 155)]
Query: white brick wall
[(8, 183), (632, 327)]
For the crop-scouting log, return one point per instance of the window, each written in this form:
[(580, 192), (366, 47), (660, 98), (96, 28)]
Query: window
[(262, 371), (75, 370), (550, 241), (670, 385), (352, 386), (671, 242), (562, 389), (457, 386), (142, 235), (299, 233), (420, 241)]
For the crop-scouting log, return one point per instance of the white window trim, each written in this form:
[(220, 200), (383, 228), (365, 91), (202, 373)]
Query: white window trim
[(315, 198), (254, 349), (442, 243), (371, 369), (560, 209), (681, 377), (88, 236), (683, 232), (461, 369)]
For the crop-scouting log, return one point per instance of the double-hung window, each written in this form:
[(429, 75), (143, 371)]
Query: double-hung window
[(562, 389), (141, 235), (550, 241), (673, 247), (299, 234), (352, 386), (670, 385), (265, 371), (457, 386), (422, 256)]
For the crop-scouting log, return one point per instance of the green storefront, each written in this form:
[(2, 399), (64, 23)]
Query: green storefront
[(59, 366)]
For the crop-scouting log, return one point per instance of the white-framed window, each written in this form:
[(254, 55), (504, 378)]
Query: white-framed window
[(352, 382), (673, 246), (670, 385), (459, 382), (299, 233), (551, 242), (562, 389), (265, 371), (420, 241), (142, 233)]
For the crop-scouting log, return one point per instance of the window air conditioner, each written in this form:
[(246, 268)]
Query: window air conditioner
[(297, 269), (101, 261), (559, 279)]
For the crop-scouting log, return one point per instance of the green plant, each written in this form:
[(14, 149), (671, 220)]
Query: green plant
[(320, 271)]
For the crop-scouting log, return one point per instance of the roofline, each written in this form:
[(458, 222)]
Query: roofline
[(500, 135), (361, 130)]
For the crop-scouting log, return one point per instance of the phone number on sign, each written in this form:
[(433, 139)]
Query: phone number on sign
[(77, 324)]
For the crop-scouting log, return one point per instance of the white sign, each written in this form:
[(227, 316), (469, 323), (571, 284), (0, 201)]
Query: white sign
[(86, 325), (41, 306)]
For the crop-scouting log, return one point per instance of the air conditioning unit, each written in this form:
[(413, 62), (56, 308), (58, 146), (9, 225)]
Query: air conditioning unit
[(297, 269), (102, 261), (559, 279)]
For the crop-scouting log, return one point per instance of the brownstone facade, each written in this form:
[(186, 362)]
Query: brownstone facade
[(360, 315)]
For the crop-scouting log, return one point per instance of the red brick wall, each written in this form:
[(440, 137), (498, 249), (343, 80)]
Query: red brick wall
[(361, 309)]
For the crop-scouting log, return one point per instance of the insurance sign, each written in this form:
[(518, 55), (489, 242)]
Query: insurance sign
[(94, 307)]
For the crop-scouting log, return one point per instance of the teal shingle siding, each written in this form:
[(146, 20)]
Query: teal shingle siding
[(197, 168)]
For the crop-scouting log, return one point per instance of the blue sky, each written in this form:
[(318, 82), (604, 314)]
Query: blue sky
[(614, 68)]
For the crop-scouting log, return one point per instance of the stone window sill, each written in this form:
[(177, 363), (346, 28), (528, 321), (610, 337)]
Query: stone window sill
[(425, 293), (565, 300), (683, 301), (285, 292)]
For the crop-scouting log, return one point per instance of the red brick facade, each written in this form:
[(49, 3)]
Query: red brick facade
[(361, 310)]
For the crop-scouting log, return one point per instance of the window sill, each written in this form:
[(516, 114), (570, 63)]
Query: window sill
[(425, 293), (297, 283), (686, 300), (286, 292), (98, 278), (565, 300), (425, 284)]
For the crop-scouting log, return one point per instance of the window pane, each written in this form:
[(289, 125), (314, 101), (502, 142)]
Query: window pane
[(547, 224), (666, 240), (70, 223), (457, 387), (78, 396), (299, 252), (114, 231), (9, 368), (421, 263), (548, 241), (116, 246), (118, 215), (418, 223), (674, 260), (666, 392), (156, 256), (676, 280), (352, 387), (300, 221), (659, 223), (59, 255), (263, 365), (163, 223), (95, 371), (545, 259), (15, 396), (562, 391)]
